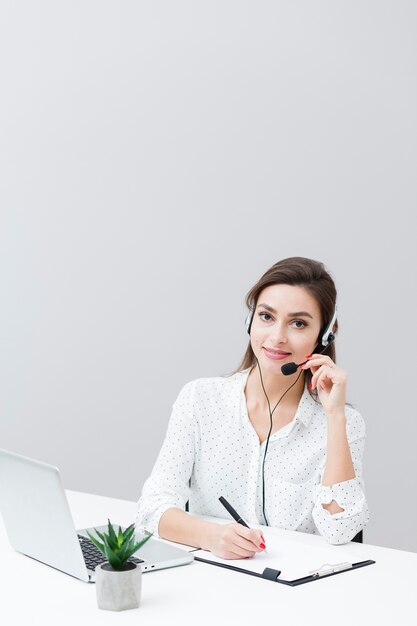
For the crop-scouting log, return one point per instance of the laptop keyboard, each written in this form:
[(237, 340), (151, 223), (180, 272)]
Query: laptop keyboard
[(93, 556)]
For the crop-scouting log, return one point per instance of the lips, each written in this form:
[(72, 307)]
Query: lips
[(275, 355), (272, 351)]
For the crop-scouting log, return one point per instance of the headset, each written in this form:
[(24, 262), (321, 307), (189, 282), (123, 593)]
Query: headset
[(289, 368)]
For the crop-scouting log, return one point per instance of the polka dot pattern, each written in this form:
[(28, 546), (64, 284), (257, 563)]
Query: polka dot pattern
[(211, 449)]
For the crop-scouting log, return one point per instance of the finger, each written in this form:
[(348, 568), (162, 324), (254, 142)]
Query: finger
[(252, 535), (315, 376), (240, 543), (326, 375), (324, 372), (323, 382), (311, 365), (233, 543), (320, 356), (242, 553), (317, 360), (233, 555)]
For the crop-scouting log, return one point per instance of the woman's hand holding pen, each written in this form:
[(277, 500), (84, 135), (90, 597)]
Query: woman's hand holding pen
[(330, 381), (234, 541)]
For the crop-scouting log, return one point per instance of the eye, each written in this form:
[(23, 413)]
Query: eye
[(264, 315), (303, 324)]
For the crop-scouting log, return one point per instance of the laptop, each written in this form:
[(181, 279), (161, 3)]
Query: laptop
[(39, 524)]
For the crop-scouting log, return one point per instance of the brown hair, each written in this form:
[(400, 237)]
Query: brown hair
[(312, 276)]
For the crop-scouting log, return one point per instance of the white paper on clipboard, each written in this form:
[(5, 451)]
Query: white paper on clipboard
[(294, 559)]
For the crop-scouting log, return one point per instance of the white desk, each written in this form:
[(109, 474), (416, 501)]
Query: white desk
[(32, 593)]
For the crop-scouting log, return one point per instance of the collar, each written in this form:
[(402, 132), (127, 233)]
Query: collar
[(307, 407)]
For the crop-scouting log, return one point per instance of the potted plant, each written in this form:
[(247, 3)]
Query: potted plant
[(118, 581)]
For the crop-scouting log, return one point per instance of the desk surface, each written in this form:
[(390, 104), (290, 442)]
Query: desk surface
[(204, 594)]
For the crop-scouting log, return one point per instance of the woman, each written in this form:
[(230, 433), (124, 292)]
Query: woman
[(284, 450)]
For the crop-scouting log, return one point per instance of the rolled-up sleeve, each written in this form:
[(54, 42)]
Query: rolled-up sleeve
[(350, 494), (168, 484)]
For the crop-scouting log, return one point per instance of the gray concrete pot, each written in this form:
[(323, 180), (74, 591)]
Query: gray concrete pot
[(118, 591)]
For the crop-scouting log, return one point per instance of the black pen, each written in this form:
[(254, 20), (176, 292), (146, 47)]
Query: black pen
[(235, 515), (232, 512)]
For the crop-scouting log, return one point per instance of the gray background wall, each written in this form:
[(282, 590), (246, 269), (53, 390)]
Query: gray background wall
[(156, 158)]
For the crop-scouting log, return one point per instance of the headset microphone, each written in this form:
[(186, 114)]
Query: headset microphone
[(289, 368)]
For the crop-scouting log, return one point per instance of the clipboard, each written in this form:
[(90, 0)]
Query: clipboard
[(273, 574), (294, 556)]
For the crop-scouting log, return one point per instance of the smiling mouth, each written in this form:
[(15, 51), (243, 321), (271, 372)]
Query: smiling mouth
[(275, 355), (276, 352)]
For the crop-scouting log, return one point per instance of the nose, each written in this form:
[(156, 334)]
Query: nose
[(278, 334)]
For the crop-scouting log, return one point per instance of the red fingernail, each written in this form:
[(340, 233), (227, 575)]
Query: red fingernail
[(309, 356), (263, 546), (311, 386)]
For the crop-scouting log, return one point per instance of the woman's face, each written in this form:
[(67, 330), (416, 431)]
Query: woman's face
[(285, 327)]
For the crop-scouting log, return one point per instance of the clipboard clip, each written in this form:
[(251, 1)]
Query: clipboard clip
[(329, 568)]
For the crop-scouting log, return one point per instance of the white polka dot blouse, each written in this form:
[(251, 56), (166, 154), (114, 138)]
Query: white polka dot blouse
[(211, 449)]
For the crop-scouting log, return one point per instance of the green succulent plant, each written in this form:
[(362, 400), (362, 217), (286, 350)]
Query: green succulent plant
[(118, 547)]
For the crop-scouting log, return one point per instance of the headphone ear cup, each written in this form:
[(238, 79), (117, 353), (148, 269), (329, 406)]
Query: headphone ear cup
[(248, 322), (330, 340), (327, 337)]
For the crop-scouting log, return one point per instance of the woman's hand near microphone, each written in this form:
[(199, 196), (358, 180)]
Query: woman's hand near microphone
[(330, 381)]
